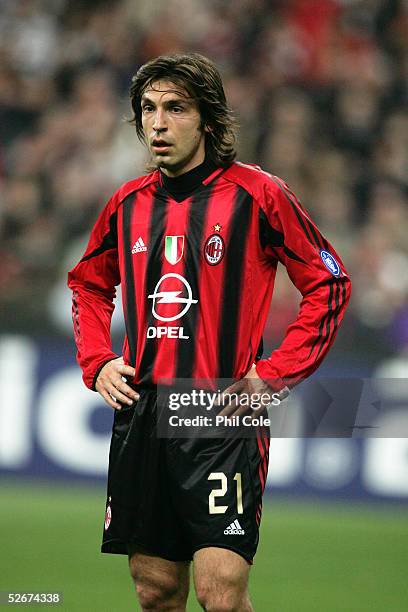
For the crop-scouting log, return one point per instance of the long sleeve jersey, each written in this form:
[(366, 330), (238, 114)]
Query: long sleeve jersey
[(197, 280)]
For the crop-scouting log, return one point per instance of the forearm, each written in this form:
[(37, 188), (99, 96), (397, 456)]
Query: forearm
[(92, 312), (309, 338)]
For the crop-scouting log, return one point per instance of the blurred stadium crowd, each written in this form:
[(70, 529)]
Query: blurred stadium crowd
[(320, 89)]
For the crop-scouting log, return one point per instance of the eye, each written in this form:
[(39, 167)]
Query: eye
[(177, 109), (147, 108)]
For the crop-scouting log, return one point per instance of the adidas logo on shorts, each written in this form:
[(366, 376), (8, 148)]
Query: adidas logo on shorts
[(234, 529)]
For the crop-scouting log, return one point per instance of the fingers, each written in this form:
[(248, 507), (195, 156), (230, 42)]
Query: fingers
[(233, 392), (119, 391), (108, 398), (126, 370), (114, 397), (230, 407), (248, 395), (111, 384)]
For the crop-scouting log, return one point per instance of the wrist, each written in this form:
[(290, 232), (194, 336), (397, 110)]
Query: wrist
[(98, 371), (265, 371)]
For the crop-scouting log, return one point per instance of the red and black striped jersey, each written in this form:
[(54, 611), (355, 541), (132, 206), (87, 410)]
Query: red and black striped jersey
[(197, 279)]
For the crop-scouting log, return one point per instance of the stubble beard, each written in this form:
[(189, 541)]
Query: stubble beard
[(176, 166)]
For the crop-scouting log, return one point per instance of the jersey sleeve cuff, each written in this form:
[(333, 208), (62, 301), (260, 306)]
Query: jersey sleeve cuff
[(267, 373)]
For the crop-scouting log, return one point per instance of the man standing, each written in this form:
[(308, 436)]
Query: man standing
[(195, 245)]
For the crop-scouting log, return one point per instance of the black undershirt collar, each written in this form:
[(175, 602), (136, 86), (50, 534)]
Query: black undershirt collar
[(183, 186)]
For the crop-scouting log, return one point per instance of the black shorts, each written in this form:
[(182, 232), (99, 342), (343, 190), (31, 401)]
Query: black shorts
[(171, 497)]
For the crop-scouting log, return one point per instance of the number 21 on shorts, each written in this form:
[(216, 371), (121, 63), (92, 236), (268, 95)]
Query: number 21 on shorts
[(220, 492)]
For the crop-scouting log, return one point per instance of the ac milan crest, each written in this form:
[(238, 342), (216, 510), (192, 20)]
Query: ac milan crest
[(214, 249), (108, 517), (174, 248)]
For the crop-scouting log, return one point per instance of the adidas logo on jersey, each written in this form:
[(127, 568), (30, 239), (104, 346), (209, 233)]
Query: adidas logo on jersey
[(139, 246), (234, 529)]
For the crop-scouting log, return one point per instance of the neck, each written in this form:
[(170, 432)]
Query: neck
[(180, 187), (185, 169)]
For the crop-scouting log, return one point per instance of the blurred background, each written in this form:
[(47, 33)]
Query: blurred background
[(320, 90)]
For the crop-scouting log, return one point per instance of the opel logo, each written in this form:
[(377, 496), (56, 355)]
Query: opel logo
[(171, 297)]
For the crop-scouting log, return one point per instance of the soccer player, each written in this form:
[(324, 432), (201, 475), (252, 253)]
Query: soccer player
[(195, 245)]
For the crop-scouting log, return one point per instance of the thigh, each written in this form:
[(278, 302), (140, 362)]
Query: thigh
[(220, 573), (159, 578), (151, 569)]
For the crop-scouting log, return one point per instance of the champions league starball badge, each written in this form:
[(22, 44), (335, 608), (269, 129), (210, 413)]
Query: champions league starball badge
[(330, 263)]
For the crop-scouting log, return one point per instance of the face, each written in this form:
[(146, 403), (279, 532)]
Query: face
[(172, 127)]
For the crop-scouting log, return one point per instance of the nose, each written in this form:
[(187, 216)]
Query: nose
[(159, 123)]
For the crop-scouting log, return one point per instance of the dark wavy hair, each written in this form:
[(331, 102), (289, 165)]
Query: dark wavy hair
[(201, 79)]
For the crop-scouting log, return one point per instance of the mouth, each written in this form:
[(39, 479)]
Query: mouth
[(160, 145)]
